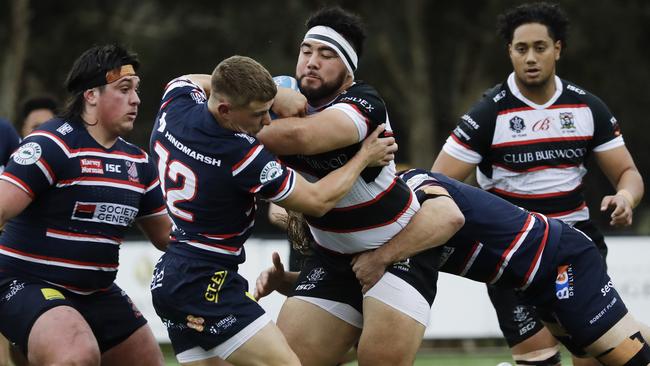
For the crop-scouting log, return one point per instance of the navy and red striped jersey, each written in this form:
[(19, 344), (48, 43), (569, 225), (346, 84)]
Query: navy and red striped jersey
[(533, 155), (84, 198), (500, 243), (379, 204), (210, 176)]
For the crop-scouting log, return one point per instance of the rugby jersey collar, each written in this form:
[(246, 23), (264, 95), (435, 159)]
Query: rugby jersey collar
[(512, 85)]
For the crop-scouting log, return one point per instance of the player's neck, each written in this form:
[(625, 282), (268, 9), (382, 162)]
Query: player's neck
[(538, 94), (103, 137)]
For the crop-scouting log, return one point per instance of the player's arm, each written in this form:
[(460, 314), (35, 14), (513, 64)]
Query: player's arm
[(13, 201), (619, 167), (438, 219), (278, 216), (452, 167), (289, 103), (316, 199), (156, 229), (324, 131), (202, 80)]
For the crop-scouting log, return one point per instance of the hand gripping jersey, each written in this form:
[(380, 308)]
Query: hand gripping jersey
[(84, 198), (210, 176), (533, 155), (500, 243), (379, 204)]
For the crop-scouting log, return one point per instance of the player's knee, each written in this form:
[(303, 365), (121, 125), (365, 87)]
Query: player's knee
[(544, 357), (632, 351), (79, 356)]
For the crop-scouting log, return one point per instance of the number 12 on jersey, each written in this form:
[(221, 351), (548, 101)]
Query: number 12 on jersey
[(184, 190)]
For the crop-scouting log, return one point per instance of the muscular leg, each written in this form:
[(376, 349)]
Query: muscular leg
[(140, 348), (622, 345), (308, 328), (389, 336), (541, 348), (61, 336), (268, 347)]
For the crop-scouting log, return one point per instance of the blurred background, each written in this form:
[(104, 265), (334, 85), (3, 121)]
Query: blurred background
[(430, 60)]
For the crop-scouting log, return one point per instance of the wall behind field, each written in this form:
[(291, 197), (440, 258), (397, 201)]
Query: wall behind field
[(461, 309)]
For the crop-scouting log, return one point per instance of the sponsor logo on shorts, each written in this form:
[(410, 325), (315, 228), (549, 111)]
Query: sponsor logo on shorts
[(305, 287), (271, 170), (28, 153), (609, 286), (603, 311), (14, 288), (316, 274), (52, 294), (91, 166), (404, 265), (216, 281), (222, 325), (104, 212), (157, 279), (525, 322), (564, 282)]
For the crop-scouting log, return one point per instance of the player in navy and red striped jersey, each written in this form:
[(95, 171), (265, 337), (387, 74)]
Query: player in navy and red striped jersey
[(530, 137), (211, 168), (67, 196), (553, 266)]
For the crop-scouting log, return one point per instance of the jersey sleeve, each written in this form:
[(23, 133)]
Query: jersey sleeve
[(37, 163), (470, 140), (182, 90), (364, 107), (152, 203), (259, 171), (607, 132)]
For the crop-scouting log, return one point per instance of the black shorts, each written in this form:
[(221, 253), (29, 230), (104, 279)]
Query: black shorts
[(111, 314), (519, 321), (184, 286), (329, 276)]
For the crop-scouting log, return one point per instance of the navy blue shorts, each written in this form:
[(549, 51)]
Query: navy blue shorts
[(579, 296), (517, 319), (184, 286), (111, 314)]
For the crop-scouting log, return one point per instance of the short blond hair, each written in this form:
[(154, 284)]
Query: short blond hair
[(242, 80)]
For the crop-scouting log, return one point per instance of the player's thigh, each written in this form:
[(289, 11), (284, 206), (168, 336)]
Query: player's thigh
[(62, 335), (139, 349), (308, 327), (389, 336), (267, 347)]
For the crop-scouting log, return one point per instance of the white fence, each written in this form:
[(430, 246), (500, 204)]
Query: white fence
[(461, 309)]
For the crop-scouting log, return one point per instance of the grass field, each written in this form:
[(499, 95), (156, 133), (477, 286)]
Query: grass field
[(489, 357)]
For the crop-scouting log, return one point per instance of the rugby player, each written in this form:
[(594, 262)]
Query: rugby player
[(528, 139), (211, 167), (327, 305), (67, 197)]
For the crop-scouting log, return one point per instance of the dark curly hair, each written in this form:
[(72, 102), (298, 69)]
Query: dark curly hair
[(348, 24), (550, 15)]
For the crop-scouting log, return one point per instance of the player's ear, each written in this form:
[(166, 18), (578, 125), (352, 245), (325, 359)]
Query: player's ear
[(91, 95)]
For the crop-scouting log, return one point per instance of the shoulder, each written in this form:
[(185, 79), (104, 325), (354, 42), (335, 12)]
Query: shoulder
[(576, 92)]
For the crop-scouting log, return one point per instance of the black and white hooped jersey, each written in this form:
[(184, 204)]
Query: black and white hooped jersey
[(379, 204), (500, 243), (210, 176), (533, 155), (84, 198)]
